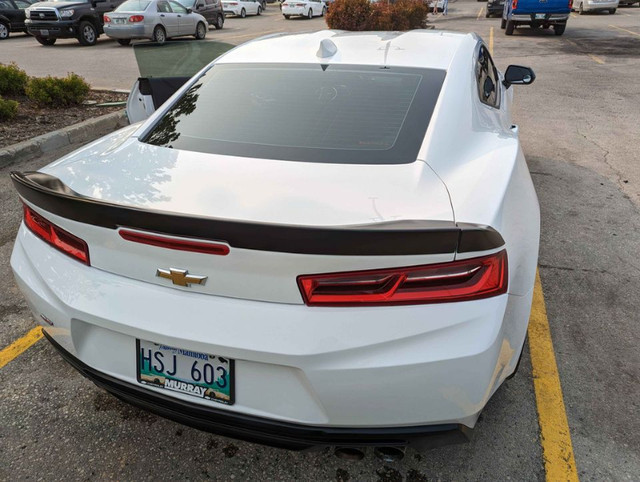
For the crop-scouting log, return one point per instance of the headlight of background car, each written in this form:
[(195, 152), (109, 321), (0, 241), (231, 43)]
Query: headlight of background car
[(66, 13)]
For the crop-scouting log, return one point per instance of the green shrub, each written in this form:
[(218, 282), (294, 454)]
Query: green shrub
[(8, 109), (349, 14), (13, 80), (57, 91), (362, 15)]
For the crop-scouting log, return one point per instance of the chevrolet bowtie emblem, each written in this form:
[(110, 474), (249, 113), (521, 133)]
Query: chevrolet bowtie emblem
[(181, 277)]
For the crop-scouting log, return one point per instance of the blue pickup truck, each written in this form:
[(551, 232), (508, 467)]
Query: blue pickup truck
[(536, 14)]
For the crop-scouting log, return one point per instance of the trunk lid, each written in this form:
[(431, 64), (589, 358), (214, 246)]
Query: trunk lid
[(312, 201)]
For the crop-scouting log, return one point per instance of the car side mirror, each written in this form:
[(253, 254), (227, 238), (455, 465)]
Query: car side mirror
[(518, 75), (200, 5), (189, 10)]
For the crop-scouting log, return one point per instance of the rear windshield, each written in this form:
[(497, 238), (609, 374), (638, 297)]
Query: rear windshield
[(312, 113), (133, 6)]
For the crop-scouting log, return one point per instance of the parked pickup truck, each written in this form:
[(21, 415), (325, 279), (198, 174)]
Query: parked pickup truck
[(50, 20), (536, 14)]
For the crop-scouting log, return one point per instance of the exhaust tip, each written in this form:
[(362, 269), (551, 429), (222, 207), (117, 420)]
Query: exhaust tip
[(349, 453), (389, 454)]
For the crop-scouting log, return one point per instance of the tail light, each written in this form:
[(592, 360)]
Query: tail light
[(570, 4), (464, 280), (106, 18), (136, 18), (514, 4), (55, 236), (195, 246)]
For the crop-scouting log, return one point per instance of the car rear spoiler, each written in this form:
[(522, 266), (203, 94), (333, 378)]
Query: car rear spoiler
[(376, 239)]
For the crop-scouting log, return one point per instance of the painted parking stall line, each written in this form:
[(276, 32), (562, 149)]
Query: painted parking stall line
[(19, 346), (555, 437)]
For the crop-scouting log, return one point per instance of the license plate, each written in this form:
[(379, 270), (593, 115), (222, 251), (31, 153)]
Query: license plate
[(119, 20), (201, 375), (540, 16), (44, 33)]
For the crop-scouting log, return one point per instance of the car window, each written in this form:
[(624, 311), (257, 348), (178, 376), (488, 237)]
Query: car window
[(163, 7), (21, 4), (177, 8), (133, 6), (487, 79), (5, 5), (210, 2), (345, 114)]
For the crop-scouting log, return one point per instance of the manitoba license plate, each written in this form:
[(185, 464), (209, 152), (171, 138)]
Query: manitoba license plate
[(198, 374), (44, 33), (540, 16)]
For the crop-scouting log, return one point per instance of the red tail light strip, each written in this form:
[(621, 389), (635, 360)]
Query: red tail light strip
[(55, 236), (173, 243), (464, 280)]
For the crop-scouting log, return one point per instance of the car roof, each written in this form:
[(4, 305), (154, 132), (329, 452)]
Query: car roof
[(434, 49)]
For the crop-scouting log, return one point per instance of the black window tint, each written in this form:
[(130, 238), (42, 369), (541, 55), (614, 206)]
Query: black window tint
[(487, 78), (311, 113)]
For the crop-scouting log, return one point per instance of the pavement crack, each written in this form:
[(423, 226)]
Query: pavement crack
[(568, 268), (605, 157)]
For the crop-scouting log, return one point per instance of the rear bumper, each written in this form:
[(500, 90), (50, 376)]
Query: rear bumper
[(375, 368), (596, 6), (549, 18), (129, 31), (265, 431)]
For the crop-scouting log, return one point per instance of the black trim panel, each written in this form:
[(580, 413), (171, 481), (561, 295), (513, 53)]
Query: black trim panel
[(379, 239), (262, 430)]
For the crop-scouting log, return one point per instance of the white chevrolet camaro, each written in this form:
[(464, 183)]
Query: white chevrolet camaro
[(357, 272)]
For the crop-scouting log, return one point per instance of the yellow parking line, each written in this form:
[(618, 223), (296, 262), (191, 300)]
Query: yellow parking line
[(557, 450), (479, 13), (596, 59), (625, 30), (20, 345), (491, 41)]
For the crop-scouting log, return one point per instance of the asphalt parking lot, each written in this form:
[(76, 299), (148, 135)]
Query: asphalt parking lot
[(579, 125)]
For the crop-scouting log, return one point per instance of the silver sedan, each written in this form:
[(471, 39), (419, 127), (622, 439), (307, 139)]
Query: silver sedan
[(157, 20)]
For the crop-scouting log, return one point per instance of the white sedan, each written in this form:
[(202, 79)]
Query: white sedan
[(303, 8), (242, 8), (359, 272)]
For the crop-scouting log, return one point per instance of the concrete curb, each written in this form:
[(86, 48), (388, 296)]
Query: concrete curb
[(84, 131)]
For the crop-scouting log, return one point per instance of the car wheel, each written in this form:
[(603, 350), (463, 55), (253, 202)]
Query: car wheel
[(612, 11), (4, 30), (243, 13), (503, 24), (287, 17), (310, 14), (201, 31), (46, 41), (159, 35), (259, 10), (559, 29), (88, 35), (324, 11), (124, 41), (219, 22), (511, 25)]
